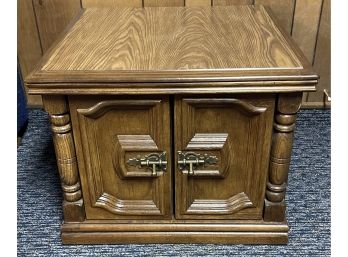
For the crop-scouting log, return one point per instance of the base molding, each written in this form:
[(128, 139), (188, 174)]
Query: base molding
[(175, 233)]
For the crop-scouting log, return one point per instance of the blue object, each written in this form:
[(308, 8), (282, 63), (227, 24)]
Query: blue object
[(22, 113)]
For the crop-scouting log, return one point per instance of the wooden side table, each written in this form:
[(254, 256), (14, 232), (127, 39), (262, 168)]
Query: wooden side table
[(173, 125)]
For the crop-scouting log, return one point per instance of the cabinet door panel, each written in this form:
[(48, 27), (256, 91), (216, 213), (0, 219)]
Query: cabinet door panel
[(231, 137), (111, 135)]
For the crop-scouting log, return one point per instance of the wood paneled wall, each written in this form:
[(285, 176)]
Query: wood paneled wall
[(307, 21), (29, 49)]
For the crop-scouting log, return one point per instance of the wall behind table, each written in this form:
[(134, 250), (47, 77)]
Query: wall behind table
[(308, 21)]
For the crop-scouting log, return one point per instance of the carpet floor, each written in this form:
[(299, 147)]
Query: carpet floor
[(39, 213)]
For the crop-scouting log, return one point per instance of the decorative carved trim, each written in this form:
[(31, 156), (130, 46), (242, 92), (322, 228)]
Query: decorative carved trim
[(215, 143), (280, 160), (73, 192), (207, 141), (137, 142), (229, 206), (127, 207), (103, 107), (133, 143), (61, 129), (285, 122), (242, 106), (284, 128)]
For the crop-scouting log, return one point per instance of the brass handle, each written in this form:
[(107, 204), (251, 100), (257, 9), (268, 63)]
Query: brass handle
[(192, 160), (157, 161)]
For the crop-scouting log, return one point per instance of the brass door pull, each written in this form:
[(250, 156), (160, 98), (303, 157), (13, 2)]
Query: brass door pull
[(192, 160), (158, 162)]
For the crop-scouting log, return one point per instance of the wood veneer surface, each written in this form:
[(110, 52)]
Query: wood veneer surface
[(226, 41), (171, 39)]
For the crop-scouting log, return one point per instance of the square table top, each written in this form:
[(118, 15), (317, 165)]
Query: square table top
[(172, 44)]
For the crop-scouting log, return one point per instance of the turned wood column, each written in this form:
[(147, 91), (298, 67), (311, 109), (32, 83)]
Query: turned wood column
[(57, 108), (284, 125)]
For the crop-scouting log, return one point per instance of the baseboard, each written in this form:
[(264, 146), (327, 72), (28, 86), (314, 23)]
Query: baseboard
[(175, 233)]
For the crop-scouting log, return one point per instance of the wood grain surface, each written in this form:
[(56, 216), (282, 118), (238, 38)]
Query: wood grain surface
[(304, 15), (173, 39), (159, 3), (282, 140), (58, 110), (198, 2), (112, 188), (111, 3), (176, 45), (240, 139), (119, 68), (232, 2), (177, 237)]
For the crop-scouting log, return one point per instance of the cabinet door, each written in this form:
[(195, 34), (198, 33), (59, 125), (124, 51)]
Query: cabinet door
[(122, 149), (226, 141)]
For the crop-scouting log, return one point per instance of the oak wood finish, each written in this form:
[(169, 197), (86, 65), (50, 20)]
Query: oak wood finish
[(122, 88), (175, 238), (110, 132), (58, 109), (113, 55), (240, 138), (111, 3), (179, 88), (305, 28), (163, 3), (284, 126), (152, 58), (232, 2), (198, 2)]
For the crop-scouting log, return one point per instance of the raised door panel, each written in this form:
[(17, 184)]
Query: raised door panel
[(124, 157), (222, 153)]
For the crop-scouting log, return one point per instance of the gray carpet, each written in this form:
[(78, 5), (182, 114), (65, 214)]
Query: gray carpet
[(308, 198)]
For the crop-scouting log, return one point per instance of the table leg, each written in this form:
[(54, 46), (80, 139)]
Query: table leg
[(284, 125), (58, 110)]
